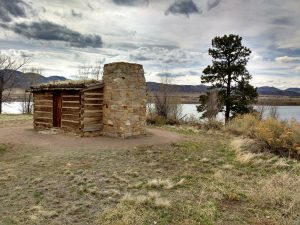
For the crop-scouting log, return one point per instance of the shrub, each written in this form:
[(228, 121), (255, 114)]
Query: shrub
[(159, 120), (243, 124), (156, 120), (281, 136), (172, 122), (190, 119), (211, 125)]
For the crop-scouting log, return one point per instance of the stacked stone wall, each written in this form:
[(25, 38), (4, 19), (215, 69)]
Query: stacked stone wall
[(124, 100)]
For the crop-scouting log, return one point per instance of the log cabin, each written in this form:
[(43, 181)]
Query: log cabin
[(114, 106)]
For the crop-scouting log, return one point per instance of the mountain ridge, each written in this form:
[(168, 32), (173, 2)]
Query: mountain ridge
[(264, 90), (25, 80)]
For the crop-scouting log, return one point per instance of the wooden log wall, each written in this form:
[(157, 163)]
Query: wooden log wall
[(92, 111), (43, 110), (70, 120)]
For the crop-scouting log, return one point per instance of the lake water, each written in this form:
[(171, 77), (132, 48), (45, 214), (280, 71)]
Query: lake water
[(12, 108), (285, 112)]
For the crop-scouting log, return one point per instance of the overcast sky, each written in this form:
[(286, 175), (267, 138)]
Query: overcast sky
[(166, 36)]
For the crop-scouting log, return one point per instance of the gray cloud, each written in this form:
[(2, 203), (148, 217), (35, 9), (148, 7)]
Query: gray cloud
[(139, 57), (90, 6), (195, 73), (183, 7), (49, 31), (276, 51), (137, 46), (212, 4), (180, 74), (283, 21), (76, 14), (166, 57), (10, 9), (43, 9), (131, 2), (170, 75)]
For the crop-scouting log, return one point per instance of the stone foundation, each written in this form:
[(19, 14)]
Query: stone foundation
[(124, 102)]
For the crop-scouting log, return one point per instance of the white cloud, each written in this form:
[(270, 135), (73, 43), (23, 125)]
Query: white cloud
[(287, 59), (16, 54), (255, 57), (297, 70)]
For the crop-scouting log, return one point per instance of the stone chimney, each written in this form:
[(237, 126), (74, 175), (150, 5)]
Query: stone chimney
[(124, 100)]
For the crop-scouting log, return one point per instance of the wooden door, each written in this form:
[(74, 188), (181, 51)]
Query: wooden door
[(57, 109)]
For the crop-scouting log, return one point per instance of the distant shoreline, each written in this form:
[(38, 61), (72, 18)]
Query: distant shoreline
[(193, 98)]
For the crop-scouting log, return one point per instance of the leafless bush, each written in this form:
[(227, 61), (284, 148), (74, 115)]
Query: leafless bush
[(212, 105), (166, 106), (191, 119), (8, 67), (267, 111), (32, 69), (273, 112), (27, 103), (93, 71), (27, 99), (261, 110)]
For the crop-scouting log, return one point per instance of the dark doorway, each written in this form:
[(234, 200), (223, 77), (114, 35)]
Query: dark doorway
[(57, 106)]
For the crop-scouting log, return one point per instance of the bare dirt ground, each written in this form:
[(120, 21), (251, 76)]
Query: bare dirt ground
[(22, 133)]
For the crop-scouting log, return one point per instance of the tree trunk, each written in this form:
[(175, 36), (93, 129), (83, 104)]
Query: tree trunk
[(227, 112), (0, 102), (227, 103), (1, 92)]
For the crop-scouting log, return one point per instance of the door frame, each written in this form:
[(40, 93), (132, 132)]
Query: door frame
[(57, 109)]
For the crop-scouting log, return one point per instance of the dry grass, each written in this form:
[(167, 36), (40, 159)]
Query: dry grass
[(14, 120), (152, 198), (278, 100), (242, 125), (131, 209), (67, 84), (160, 183), (281, 137), (281, 192), (203, 180), (241, 155)]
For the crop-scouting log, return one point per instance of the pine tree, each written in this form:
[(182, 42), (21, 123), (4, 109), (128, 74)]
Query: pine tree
[(228, 74)]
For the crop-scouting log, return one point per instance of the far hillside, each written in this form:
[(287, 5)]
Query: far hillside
[(25, 80), (265, 90), (185, 93)]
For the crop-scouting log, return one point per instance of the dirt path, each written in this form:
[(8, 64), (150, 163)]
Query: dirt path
[(24, 134)]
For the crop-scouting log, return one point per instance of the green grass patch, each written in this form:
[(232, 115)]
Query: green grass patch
[(3, 149), (38, 196), (8, 221)]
